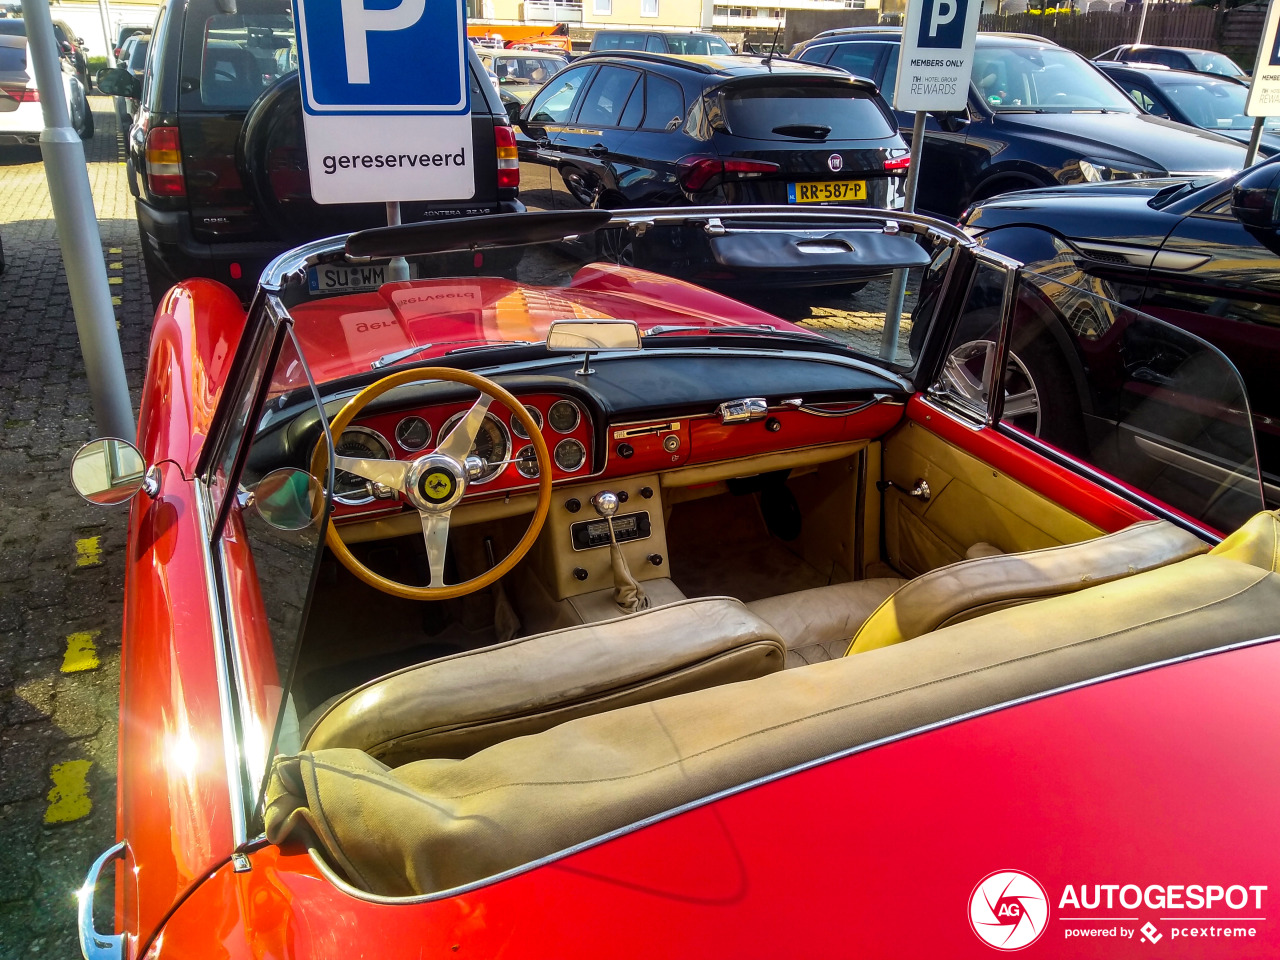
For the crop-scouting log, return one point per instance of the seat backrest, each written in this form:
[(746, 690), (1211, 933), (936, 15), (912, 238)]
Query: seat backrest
[(230, 76), (1257, 543), (972, 588), (452, 707)]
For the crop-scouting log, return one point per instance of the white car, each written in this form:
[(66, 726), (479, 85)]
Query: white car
[(21, 119)]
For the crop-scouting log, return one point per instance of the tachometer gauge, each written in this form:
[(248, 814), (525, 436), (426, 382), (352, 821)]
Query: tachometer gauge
[(527, 462), (491, 445), (413, 433), (570, 455), (564, 416), (518, 428), (358, 442)]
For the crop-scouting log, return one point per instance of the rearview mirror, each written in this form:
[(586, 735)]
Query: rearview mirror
[(289, 499), (952, 121), (575, 336), (119, 82), (108, 471), (1253, 198), (513, 111)]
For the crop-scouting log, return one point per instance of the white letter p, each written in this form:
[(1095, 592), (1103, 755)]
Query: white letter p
[(357, 23), (935, 21)]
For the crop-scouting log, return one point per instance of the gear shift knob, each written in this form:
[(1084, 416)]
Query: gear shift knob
[(606, 503)]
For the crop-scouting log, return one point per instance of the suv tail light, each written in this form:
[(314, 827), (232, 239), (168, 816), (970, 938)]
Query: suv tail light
[(508, 160), (898, 163), (21, 92), (164, 163), (697, 172)]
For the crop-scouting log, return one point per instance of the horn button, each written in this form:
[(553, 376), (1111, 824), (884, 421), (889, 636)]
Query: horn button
[(436, 483)]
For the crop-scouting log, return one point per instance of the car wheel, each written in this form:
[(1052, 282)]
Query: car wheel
[(999, 185)]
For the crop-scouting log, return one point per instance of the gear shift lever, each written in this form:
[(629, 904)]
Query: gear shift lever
[(627, 592)]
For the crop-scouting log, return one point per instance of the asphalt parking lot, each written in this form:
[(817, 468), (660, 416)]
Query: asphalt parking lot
[(61, 560)]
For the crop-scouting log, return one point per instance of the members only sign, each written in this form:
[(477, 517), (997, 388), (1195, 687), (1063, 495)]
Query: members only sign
[(1264, 92), (937, 54), (386, 105)]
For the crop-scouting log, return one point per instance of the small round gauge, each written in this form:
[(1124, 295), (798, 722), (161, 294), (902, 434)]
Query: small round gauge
[(570, 455), (491, 444), (413, 433), (358, 442), (564, 416), (527, 462), (518, 428)]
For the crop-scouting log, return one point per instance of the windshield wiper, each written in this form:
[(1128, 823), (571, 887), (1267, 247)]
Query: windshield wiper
[(767, 328), (388, 359)]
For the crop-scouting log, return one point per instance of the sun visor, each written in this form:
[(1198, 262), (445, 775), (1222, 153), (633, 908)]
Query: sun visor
[(860, 252)]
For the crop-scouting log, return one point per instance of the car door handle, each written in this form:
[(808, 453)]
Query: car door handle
[(95, 945), (544, 143), (598, 150)]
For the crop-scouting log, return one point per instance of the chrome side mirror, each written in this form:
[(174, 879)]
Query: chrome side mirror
[(109, 471), (287, 499)]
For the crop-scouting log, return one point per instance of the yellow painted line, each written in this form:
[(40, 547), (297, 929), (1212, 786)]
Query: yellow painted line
[(118, 265), (69, 797), (82, 651), (115, 302), (89, 552), (115, 250), (115, 280)]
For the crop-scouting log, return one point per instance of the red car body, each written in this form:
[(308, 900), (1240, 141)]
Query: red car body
[(1163, 777)]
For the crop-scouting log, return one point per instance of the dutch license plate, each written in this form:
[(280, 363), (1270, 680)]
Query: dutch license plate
[(830, 191), (335, 278)]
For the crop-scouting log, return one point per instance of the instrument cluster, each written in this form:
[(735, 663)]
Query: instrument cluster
[(503, 444)]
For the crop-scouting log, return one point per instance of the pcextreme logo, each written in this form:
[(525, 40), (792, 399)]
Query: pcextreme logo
[(1008, 910)]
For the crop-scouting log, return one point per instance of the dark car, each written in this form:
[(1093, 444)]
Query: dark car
[(1203, 255), (217, 160), (657, 41), (1176, 58), (1197, 99), (133, 57), (70, 46), (647, 130), (1038, 115)]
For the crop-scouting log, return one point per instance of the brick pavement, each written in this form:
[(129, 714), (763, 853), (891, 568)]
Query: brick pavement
[(61, 560)]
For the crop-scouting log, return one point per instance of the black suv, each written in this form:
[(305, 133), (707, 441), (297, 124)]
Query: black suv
[(217, 159), (1038, 115), (1177, 58), (646, 129)]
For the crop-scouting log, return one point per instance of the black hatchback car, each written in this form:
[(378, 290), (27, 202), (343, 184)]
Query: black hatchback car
[(1203, 255), (1038, 115), (646, 130), (217, 160)]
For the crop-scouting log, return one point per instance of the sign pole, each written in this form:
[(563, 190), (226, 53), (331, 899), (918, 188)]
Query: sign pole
[(86, 269), (1255, 139), (398, 268), (898, 285), (104, 11), (1142, 21)]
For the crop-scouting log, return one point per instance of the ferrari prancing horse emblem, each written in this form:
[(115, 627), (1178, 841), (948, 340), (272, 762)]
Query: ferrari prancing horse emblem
[(437, 486)]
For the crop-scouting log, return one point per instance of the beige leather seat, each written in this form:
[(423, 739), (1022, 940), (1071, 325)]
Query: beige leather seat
[(436, 824), (818, 624), (457, 705)]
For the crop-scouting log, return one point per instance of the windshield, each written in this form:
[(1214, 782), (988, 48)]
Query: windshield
[(1043, 79), (695, 45), (524, 69), (1213, 104), (1210, 62)]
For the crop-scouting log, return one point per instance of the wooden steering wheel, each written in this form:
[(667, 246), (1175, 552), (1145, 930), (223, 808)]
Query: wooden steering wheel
[(434, 482)]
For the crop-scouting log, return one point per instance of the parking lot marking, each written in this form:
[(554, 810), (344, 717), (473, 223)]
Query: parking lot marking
[(115, 280), (115, 266), (89, 552), (69, 796), (115, 250), (115, 302), (82, 651)]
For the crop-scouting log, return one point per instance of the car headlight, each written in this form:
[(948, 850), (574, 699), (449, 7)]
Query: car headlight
[(1101, 171)]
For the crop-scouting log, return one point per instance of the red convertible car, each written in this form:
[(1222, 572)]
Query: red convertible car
[(655, 584)]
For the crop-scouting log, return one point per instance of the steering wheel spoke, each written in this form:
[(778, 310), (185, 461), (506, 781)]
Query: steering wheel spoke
[(461, 438), (389, 473), (435, 530)]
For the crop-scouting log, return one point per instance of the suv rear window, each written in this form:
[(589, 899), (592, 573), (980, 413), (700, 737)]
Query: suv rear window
[(13, 59), (618, 41), (242, 55), (692, 45), (759, 113)]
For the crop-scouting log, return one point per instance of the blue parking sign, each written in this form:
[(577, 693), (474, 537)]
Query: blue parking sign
[(383, 56)]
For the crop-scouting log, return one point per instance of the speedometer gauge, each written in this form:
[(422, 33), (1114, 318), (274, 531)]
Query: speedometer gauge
[(358, 442), (564, 416), (492, 443)]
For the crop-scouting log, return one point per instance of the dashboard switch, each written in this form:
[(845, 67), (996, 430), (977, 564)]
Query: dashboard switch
[(573, 505), (626, 451), (671, 443), (646, 492), (773, 424), (655, 559), (623, 496), (579, 573)]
